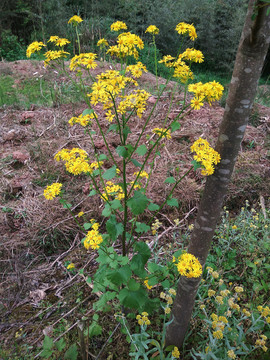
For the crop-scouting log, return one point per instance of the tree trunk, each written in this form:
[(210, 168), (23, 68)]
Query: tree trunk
[(249, 61)]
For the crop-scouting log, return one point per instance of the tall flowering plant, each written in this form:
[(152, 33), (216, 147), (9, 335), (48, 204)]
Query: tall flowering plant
[(128, 276)]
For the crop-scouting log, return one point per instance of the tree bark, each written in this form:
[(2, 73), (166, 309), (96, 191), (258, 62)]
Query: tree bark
[(249, 61)]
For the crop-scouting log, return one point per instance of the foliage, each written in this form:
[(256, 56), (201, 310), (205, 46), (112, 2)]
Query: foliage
[(10, 47)]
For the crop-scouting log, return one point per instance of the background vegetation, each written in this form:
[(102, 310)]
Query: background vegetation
[(218, 23)]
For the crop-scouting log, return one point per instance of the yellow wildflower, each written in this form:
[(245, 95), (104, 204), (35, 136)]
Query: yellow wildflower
[(52, 191), (80, 213), (188, 265), (118, 25), (152, 29), (70, 266), (176, 353), (163, 133), (231, 354), (75, 20), (207, 156), (34, 47)]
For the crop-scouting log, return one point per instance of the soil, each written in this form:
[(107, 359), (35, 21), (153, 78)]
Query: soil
[(38, 238)]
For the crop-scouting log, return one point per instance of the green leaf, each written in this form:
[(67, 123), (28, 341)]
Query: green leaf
[(126, 131), (87, 226), (172, 202), (102, 157), (133, 299), (153, 267), (95, 317), (139, 260), (166, 284), (196, 164), (136, 163), (61, 344), (46, 353), (153, 281), (87, 112), (141, 227), (120, 276), (138, 203), (175, 126), (113, 127), (106, 211), (114, 228), (122, 151), (133, 285), (71, 353), (47, 343), (170, 180), (110, 173), (153, 207), (94, 330), (92, 193), (116, 204), (142, 150)]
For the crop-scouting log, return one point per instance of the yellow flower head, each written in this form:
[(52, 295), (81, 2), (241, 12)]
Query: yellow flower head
[(75, 20), (34, 47), (149, 287), (184, 28), (231, 354), (188, 265), (102, 43), (80, 214), (118, 25), (52, 191), (176, 353), (70, 266), (205, 155), (143, 319), (152, 29)]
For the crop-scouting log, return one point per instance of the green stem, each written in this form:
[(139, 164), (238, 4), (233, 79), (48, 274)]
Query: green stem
[(78, 39)]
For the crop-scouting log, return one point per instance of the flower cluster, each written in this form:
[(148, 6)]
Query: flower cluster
[(134, 101), (54, 55), (210, 92), (102, 43), (83, 60), (218, 325), (192, 55), (71, 266), (56, 40), (205, 155), (261, 342), (184, 28), (152, 29), (118, 25), (137, 69), (181, 69), (34, 47), (93, 238), (127, 45), (149, 287), (155, 226), (188, 265), (265, 312), (168, 298), (143, 319), (83, 120), (163, 133), (76, 160), (75, 20), (114, 190), (108, 84), (52, 191), (176, 353)]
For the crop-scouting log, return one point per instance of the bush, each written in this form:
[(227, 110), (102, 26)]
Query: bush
[(11, 49)]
